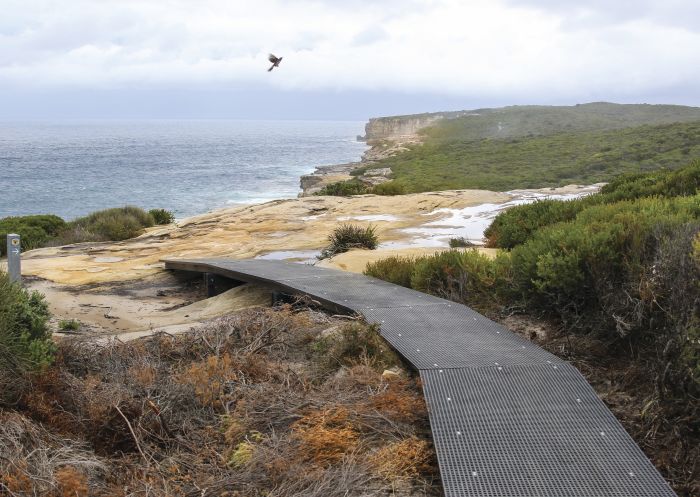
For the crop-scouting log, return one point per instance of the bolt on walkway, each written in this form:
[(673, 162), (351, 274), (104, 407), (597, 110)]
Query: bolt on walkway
[(508, 418)]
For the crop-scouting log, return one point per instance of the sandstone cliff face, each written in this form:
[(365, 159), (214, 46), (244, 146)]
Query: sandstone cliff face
[(397, 128), (404, 127)]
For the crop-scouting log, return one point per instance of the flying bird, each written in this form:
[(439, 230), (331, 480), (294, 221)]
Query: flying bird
[(275, 61)]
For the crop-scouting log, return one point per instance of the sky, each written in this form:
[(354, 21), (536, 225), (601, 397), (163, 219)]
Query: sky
[(346, 59)]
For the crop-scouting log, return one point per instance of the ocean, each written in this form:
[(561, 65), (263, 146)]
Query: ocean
[(71, 168)]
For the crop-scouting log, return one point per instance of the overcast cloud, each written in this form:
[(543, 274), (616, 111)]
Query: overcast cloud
[(463, 53)]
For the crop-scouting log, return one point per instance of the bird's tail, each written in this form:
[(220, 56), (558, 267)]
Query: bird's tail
[(271, 68)]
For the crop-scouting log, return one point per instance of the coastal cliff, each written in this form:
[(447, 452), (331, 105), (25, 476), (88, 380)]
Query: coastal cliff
[(386, 136), (399, 128)]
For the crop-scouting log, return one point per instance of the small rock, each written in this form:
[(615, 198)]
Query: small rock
[(391, 374)]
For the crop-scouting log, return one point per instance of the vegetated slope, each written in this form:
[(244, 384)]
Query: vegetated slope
[(533, 146), (538, 120), (267, 402), (617, 278)]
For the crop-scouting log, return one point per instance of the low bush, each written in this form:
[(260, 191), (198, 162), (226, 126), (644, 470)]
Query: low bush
[(326, 436), (460, 242), (516, 225), (35, 231), (119, 223), (465, 276), (344, 188), (115, 224), (69, 325), (389, 188), (349, 236), (25, 340), (394, 269), (162, 216), (572, 267)]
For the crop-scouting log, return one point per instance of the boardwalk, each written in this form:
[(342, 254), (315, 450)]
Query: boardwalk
[(508, 418)]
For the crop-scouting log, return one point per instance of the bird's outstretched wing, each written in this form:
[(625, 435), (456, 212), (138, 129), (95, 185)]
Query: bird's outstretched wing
[(272, 58)]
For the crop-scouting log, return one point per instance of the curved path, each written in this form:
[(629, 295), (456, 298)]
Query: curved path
[(508, 418)]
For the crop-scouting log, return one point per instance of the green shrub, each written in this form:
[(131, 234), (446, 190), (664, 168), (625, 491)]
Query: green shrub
[(464, 276), (162, 216), (516, 225), (389, 188), (116, 224), (664, 183), (35, 231), (577, 268), (349, 236), (396, 270), (69, 324), (110, 224), (460, 242), (25, 340), (344, 188)]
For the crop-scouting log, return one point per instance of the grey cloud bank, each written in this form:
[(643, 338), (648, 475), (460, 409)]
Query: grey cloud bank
[(128, 58)]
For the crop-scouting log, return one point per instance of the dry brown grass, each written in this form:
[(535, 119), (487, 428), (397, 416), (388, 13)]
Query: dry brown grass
[(405, 459), (326, 436), (239, 407), (400, 402)]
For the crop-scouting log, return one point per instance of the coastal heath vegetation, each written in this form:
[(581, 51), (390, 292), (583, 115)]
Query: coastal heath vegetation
[(266, 402), (114, 224), (517, 224)]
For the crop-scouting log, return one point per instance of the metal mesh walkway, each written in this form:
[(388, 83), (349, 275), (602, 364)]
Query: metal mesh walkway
[(508, 418)]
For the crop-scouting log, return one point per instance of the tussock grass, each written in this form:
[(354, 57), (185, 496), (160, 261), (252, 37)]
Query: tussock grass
[(350, 236)]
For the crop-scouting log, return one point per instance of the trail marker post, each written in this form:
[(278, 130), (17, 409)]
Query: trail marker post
[(14, 250)]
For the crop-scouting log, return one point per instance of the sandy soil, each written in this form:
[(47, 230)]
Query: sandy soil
[(159, 304), (122, 287)]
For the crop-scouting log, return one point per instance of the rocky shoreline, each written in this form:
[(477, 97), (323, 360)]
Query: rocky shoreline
[(386, 136)]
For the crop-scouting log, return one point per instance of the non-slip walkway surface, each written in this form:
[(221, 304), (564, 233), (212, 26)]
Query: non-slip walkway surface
[(508, 418)]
